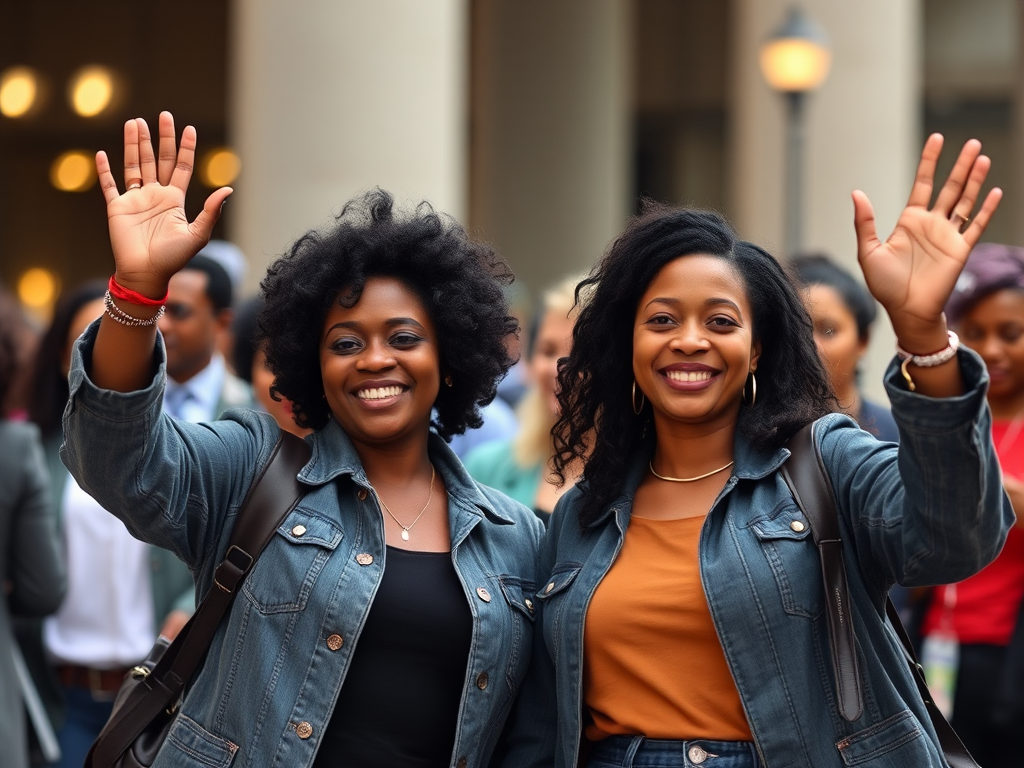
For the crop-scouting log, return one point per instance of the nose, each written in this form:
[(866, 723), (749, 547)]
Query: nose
[(989, 347), (376, 356), (690, 337)]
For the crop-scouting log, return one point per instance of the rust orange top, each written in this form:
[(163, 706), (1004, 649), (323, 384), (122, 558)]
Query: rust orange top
[(652, 662)]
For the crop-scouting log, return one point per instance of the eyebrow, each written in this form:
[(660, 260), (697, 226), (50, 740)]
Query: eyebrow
[(391, 322), (712, 302)]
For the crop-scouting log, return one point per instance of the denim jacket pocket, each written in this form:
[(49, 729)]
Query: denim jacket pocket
[(562, 576), (198, 745), (284, 574), (896, 741), (518, 595), (785, 539)]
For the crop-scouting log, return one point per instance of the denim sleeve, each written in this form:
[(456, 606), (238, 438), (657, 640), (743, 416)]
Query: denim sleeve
[(174, 484), (533, 725), (932, 510)]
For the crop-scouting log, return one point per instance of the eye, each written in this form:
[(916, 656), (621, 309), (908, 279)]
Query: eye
[(346, 344), (722, 321), (405, 339), (661, 320)]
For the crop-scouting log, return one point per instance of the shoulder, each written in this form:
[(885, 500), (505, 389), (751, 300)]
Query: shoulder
[(523, 518)]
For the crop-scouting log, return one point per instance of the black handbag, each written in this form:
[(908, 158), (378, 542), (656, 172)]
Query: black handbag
[(148, 700), (805, 474)]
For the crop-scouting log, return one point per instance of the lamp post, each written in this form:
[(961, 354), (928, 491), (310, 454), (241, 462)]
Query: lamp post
[(794, 61)]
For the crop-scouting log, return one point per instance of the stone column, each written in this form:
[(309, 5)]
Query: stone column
[(551, 140), (331, 98), (862, 132)]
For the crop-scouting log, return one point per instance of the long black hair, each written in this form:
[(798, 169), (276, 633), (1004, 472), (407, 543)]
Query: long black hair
[(458, 280), (598, 424)]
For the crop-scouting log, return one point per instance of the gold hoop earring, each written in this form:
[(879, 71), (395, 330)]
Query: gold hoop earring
[(643, 400), (753, 391)]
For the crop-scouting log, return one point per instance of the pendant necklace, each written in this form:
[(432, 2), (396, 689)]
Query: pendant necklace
[(407, 528), (688, 479)]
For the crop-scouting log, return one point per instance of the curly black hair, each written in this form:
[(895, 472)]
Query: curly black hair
[(458, 280), (598, 425)]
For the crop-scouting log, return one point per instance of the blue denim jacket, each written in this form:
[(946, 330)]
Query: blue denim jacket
[(931, 510), (266, 691)]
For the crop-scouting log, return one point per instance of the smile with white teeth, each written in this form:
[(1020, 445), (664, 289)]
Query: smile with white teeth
[(378, 393), (689, 375)]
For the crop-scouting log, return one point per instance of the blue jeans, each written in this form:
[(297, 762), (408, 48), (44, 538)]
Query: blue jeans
[(640, 752), (84, 720)]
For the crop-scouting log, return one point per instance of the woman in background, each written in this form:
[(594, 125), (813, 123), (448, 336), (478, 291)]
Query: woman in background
[(520, 467), (843, 312)]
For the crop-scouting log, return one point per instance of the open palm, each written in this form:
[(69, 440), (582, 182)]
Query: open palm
[(913, 272), (150, 234)]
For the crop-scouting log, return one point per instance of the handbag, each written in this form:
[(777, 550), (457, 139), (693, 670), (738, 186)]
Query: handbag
[(149, 698), (805, 474)]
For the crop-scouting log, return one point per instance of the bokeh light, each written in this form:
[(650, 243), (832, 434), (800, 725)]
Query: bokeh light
[(19, 90), (795, 65), (38, 288), (91, 90), (74, 171), (219, 167)]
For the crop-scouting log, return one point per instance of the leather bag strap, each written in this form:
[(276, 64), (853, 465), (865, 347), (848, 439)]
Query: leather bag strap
[(273, 494), (805, 474)]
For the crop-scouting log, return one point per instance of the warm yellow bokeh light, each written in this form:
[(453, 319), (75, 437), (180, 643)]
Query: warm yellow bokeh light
[(91, 90), (38, 288), (19, 88), (795, 64), (220, 167), (73, 171)]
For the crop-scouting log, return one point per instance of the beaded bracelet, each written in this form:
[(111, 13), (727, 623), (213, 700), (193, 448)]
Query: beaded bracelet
[(116, 313), (118, 291), (926, 361)]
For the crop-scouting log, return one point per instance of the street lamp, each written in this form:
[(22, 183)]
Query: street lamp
[(794, 61)]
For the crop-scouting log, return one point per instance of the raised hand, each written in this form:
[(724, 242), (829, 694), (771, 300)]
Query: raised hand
[(913, 272), (150, 234)]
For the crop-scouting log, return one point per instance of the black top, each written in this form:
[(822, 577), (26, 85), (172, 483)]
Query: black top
[(399, 704)]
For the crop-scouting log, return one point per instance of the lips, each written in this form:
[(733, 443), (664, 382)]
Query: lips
[(688, 376), (380, 393)]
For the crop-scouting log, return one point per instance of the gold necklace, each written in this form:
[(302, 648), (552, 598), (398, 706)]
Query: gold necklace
[(688, 479), (407, 528)]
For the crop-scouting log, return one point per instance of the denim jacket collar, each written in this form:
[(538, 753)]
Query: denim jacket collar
[(752, 463), (334, 456)]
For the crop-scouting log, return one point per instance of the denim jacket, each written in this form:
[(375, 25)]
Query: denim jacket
[(266, 691), (931, 510)]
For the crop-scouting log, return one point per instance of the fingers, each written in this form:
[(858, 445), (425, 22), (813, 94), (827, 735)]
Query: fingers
[(961, 213), (977, 227), (955, 187), (202, 227), (185, 159), (147, 160), (132, 172), (107, 184), (864, 224), (921, 192), (167, 155)]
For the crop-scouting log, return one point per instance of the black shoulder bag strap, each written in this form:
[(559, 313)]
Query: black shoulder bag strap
[(273, 494), (805, 474)]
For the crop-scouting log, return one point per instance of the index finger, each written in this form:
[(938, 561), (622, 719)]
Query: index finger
[(921, 192), (166, 153)]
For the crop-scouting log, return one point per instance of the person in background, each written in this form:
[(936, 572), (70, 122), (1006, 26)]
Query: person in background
[(250, 363), (198, 315), (32, 578), (520, 467), (122, 592), (983, 614), (843, 312)]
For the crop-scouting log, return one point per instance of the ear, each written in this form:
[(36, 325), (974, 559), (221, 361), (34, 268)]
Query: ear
[(755, 355), (862, 345), (225, 318)]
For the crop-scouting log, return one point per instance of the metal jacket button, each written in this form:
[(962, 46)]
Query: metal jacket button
[(797, 526), (361, 494), (549, 587), (463, 762), (481, 681), (483, 594), (303, 730), (529, 604), (364, 558), (697, 755), (334, 642), (298, 530)]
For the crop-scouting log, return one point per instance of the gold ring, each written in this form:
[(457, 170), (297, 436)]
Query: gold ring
[(135, 184), (963, 219)]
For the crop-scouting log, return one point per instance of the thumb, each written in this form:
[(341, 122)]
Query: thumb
[(864, 224), (202, 227)]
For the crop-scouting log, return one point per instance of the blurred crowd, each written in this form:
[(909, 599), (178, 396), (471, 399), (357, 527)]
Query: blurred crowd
[(84, 600)]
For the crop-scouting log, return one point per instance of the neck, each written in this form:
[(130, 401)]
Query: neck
[(1006, 408), (398, 465), (694, 450)]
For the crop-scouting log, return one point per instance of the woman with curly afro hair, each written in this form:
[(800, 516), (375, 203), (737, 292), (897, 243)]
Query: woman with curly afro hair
[(388, 621), (682, 618)]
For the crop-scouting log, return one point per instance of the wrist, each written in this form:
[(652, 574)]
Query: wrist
[(147, 290)]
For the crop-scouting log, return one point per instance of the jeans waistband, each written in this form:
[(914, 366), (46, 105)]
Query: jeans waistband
[(641, 752)]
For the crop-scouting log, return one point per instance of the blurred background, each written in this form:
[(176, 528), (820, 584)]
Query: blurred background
[(538, 123)]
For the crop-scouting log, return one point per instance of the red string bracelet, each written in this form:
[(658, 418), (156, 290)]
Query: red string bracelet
[(118, 291)]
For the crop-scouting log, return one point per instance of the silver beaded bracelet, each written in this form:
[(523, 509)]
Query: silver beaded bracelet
[(114, 312), (926, 361)]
